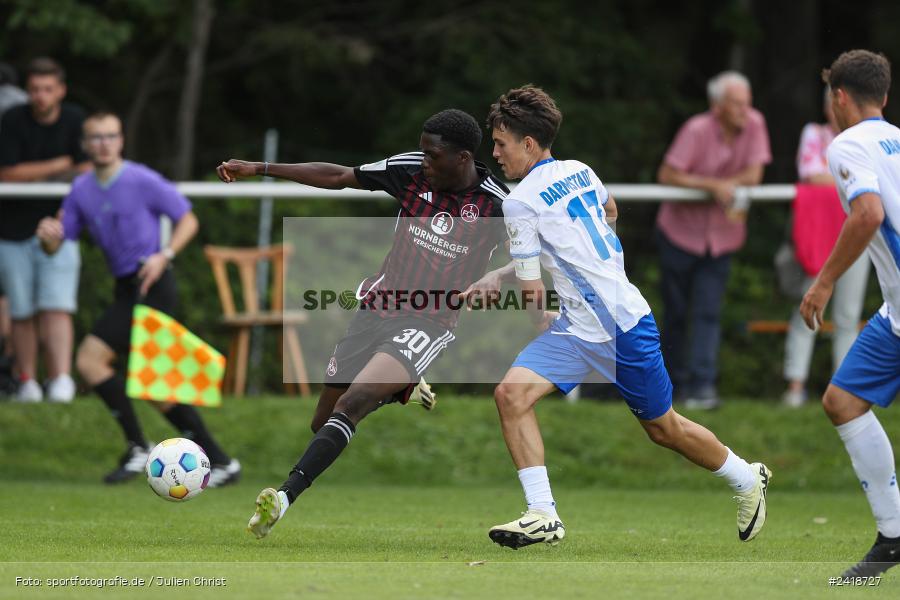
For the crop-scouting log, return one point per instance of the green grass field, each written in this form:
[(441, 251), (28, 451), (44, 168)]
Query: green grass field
[(405, 511)]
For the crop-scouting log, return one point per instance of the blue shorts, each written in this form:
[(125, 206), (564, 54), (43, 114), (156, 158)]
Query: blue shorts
[(632, 362), (35, 281), (871, 369)]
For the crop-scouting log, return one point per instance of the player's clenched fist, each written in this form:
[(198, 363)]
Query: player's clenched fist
[(236, 169)]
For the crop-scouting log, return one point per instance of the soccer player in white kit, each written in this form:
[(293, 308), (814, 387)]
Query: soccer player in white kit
[(865, 162), (558, 218)]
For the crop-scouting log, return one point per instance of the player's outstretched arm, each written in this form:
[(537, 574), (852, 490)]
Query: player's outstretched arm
[(479, 293), (866, 216), (321, 175)]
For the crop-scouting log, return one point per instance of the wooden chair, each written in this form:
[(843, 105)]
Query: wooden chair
[(242, 322)]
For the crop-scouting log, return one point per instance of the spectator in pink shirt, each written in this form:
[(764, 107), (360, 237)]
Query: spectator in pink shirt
[(849, 290), (715, 151)]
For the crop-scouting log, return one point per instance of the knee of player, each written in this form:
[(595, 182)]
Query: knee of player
[(510, 397), (86, 362), (83, 363), (660, 435), (502, 395), (832, 404), (357, 401)]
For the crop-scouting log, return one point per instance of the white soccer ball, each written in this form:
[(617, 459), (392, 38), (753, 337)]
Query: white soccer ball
[(178, 469)]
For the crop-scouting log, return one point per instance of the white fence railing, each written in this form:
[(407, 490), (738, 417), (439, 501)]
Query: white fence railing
[(622, 192), (203, 189)]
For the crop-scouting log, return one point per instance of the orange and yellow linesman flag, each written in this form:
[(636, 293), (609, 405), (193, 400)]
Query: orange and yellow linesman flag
[(168, 363)]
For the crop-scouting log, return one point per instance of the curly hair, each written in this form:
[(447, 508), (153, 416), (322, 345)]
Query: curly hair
[(456, 127), (527, 111), (865, 75)]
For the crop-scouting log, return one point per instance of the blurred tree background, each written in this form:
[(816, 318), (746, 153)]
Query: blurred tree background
[(349, 82)]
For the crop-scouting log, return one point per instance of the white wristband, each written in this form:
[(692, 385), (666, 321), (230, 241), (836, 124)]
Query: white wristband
[(168, 253)]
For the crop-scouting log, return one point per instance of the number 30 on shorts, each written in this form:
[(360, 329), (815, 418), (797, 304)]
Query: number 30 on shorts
[(414, 339)]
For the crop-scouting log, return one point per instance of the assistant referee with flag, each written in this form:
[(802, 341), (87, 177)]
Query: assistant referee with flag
[(120, 204)]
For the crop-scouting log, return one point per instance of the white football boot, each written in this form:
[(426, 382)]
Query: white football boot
[(751, 514), (220, 475), (132, 463), (268, 511), (423, 395), (533, 527)]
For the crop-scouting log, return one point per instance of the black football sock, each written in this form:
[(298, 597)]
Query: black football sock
[(187, 420), (112, 392), (323, 450)]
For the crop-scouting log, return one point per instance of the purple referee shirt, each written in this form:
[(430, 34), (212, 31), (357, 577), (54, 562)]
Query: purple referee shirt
[(122, 215), (700, 149)]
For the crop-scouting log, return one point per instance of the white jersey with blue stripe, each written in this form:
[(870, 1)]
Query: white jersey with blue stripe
[(557, 212), (866, 158)]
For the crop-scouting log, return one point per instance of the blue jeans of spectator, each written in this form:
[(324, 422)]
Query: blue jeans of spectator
[(693, 288)]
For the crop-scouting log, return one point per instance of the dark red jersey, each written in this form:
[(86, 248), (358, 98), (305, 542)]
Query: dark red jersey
[(442, 242)]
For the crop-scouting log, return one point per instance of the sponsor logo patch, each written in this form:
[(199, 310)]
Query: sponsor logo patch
[(442, 223)]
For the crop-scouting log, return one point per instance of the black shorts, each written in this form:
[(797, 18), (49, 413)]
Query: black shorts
[(414, 341), (114, 325)]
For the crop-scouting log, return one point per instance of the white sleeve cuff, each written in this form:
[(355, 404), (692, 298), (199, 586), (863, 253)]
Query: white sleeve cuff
[(528, 268)]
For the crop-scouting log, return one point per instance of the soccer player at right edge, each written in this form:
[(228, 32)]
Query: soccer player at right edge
[(558, 217), (865, 162)]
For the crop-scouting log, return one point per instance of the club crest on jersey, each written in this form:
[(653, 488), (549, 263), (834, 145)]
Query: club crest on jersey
[(442, 223), (847, 176), (469, 213), (332, 367)]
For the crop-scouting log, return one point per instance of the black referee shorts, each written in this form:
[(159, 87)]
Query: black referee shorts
[(414, 341), (114, 325)]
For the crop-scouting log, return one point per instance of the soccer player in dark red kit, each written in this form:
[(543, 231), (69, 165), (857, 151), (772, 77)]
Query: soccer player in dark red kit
[(443, 241)]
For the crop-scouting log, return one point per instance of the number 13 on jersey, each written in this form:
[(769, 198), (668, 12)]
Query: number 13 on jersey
[(602, 242)]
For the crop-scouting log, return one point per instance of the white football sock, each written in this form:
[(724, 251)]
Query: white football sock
[(739, 475), (285, 503), (873, 460), (536, 485)]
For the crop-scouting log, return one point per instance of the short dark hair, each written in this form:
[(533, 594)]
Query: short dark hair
[(45, 66), (527, 111), (102, 114), (455, 127), (865, 75)]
